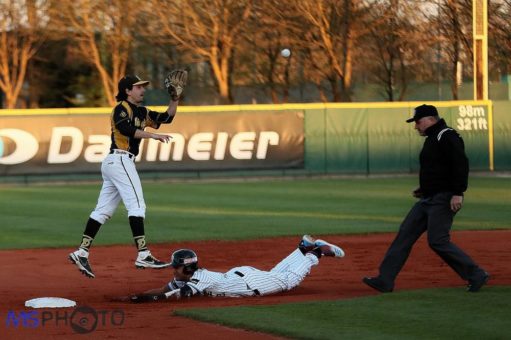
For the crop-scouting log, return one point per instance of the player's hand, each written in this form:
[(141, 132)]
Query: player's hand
[(125, 298), (141, 298), (456, 203), (417, 193), (162, 138)]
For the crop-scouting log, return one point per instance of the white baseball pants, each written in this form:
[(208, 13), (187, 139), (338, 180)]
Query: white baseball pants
[(120, 181)]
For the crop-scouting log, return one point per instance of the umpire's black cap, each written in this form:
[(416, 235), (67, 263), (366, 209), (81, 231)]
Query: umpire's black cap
[(423, 111), (126, 83)]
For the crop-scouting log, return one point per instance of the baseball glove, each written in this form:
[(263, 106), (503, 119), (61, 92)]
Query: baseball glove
[(175, 83), (140, 298)]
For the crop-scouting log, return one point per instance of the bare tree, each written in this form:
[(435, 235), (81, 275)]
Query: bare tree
[(209, 30), (499, 32), (272, 26), (104, 32), (453, 22), (392, 44), (331, 38), (21, 35)]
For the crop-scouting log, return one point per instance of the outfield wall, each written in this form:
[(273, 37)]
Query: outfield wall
[(334, 138), (374, 138), (502, 134)]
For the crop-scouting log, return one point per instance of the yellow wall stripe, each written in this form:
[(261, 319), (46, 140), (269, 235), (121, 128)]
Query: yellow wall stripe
[(247, 107)]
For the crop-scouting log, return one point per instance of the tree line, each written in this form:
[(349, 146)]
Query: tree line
[(65, 53)]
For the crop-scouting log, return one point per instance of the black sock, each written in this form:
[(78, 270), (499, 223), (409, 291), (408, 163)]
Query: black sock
[(91, 229), (316, 251), (137, 229)]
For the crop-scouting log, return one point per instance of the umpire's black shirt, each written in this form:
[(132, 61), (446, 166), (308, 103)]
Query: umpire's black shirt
[(443, 163)]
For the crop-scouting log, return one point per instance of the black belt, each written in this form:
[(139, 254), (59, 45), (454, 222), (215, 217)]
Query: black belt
[(122, 152), (240, 274)]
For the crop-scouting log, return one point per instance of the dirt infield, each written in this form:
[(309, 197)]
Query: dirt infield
[(28, 274)]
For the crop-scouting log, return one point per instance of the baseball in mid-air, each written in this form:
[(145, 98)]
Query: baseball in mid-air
[(285, 53)]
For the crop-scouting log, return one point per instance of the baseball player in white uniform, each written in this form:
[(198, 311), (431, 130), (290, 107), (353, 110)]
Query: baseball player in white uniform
[(120, 178), (190, 280)]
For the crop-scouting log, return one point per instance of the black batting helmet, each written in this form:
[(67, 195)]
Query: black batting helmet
[(185, 258)]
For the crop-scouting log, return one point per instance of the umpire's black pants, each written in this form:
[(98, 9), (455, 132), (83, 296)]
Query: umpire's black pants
[(434, 215)]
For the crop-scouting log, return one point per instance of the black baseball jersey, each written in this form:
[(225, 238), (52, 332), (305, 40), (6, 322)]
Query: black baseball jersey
[(127, 118)]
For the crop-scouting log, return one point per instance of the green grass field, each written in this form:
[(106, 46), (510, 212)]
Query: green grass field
[(421, 314), (55, 215)]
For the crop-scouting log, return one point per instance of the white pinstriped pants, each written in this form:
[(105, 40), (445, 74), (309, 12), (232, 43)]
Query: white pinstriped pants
[(286, 275)]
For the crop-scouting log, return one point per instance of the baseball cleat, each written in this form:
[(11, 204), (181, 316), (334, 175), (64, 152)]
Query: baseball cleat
[(328, 249), (80, 259), (146, 260)]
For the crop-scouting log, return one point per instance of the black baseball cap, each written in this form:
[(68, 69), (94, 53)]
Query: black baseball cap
[(126, 83), (423, 111)]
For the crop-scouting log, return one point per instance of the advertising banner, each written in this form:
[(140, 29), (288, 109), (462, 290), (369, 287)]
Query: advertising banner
[(56, 144)]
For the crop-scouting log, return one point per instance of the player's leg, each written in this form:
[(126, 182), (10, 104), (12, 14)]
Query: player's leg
[(293, 259), (293, 269), (306, 245), (439, 226), (413, 226), (297, 266), (278, 280), (108, 201), (128, 184)]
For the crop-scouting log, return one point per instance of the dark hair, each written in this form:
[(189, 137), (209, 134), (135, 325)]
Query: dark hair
[(121, 96)]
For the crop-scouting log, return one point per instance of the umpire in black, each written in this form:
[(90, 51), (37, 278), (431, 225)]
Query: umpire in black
[(443, 180)]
